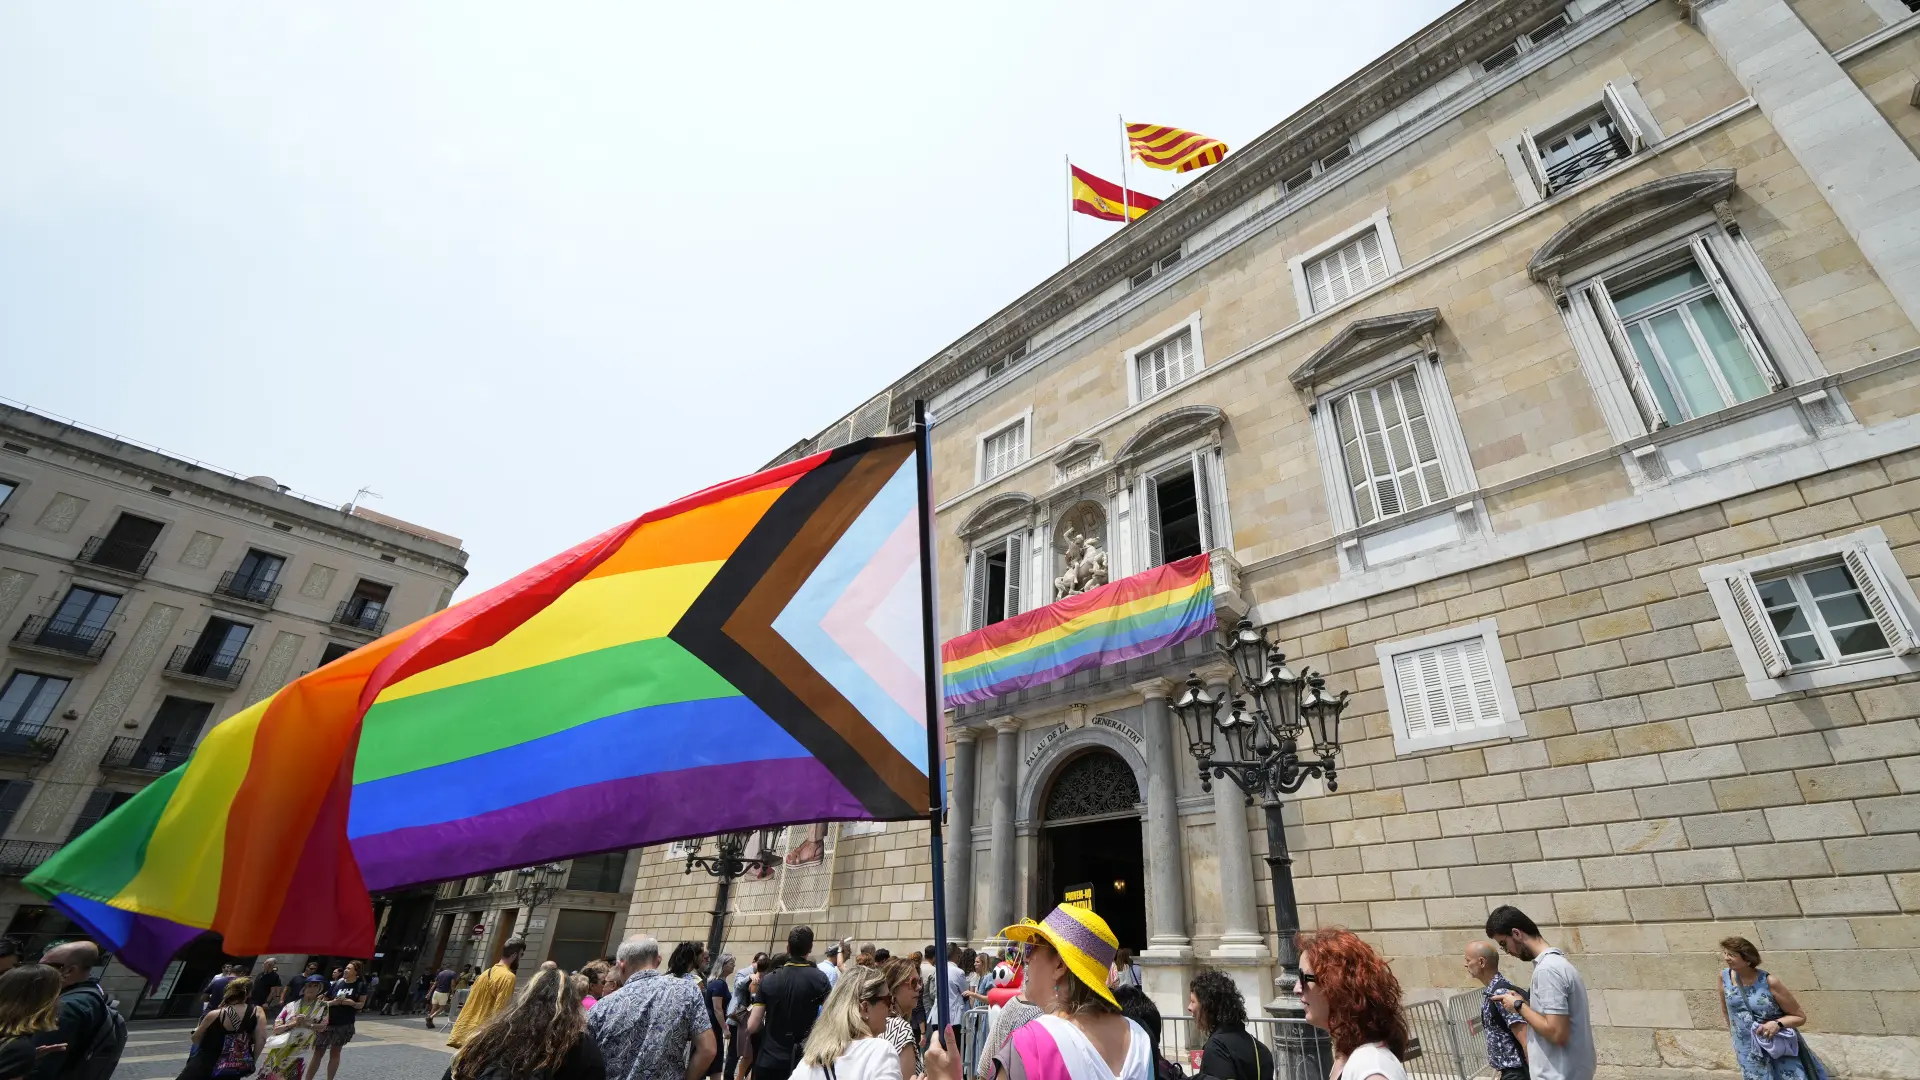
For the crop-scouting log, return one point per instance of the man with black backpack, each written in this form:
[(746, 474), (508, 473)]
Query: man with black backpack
[(91, 1028)]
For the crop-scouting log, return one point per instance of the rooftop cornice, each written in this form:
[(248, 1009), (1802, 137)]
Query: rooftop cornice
[(1442, 47)]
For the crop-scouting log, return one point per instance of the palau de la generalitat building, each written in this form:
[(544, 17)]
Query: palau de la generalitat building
[(1551, 385)]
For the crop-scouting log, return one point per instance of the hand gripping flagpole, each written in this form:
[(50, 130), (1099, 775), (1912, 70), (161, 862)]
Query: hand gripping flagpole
[(936, 742)]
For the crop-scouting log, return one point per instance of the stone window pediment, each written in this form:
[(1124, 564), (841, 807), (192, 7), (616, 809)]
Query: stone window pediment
[(1630, 217), (1365, 340), (1187, 424), (1002, 510)]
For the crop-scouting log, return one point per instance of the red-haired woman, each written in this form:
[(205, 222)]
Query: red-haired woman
[(1349, 991)]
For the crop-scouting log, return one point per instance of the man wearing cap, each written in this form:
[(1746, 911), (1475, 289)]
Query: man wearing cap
[(830, 967)]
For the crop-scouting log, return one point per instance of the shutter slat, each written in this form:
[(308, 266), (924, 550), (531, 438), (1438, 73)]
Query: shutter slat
[(1480, 681), (1880, 600), (1151, 494), (1753, 617), (977, 589)]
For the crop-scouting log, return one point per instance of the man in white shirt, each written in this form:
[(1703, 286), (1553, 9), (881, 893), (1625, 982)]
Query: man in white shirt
[(830, 967), (1557, 1011)]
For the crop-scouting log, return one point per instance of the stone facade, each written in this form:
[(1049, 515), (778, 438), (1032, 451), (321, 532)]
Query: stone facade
[(102, 705), (1644, 769)]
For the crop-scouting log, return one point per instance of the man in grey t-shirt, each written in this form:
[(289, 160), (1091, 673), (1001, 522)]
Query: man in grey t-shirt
[(1558, 1009)]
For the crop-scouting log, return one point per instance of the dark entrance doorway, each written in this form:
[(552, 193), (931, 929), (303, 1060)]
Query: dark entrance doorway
[(1092, 837)]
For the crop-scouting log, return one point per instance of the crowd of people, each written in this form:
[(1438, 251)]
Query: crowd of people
[(1065, 1001)]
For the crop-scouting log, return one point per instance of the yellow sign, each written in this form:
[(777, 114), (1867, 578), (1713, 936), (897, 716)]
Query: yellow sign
[(1080, 896)]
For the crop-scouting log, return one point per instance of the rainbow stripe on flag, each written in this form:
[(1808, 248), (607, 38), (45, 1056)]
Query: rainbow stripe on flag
[(1118, 621), (763, 638)]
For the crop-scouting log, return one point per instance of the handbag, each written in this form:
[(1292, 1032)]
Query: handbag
[(236, 1050), (1784, 1044)]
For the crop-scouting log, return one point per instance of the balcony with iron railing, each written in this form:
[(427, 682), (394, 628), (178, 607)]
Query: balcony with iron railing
[(64, 637), (33, 743), (117, 556), (1574, 168), (19, 858), (135, 754), (247, 590), (189, 662), (361, 615)]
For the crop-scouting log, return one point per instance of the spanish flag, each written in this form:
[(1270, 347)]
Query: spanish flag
[(1106, 200), (1173, 149)]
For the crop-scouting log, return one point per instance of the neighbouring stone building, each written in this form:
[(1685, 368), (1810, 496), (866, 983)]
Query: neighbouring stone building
[(145, 598), (1551, 384)]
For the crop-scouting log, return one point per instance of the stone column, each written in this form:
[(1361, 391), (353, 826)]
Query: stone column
[(1850, 152), (1166, 865), (1002, 887), (1240, 918), (960, 833)]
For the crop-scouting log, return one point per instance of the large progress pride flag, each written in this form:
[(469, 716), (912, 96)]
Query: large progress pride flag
[(1131, 617), (762, 638)]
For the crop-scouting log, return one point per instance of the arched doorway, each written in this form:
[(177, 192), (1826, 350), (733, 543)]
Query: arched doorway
[(1091, 837)]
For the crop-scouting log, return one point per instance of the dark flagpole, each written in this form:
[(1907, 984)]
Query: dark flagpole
[(936, 743)]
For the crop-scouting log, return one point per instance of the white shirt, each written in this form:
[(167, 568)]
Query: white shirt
[(1372, 1059), (1084, 1062), (866, 1059)]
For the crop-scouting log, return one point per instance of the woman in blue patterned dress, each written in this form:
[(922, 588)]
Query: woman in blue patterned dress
[(1755, 1002)]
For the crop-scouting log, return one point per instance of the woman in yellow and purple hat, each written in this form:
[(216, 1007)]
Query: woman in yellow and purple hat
[(1081, 1034)]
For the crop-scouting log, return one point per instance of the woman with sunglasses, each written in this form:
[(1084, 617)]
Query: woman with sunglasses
[(1081, 1034), (849, 1039), (1352, 994)]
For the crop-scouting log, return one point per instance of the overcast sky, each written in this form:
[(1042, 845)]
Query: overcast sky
[(529, 270)]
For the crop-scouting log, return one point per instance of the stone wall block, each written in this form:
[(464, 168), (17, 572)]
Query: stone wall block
[(1592, 906), (1619, 871), (1557, 875), (1806, 933), (1607, 654), (1844, 895), (1677, 800), (1788, 860), (1696, 867), (1736, 726), (1600, 807), (1516, 756), (1796, 715), (1747, 792), (1733, 829), (1654, 738), (1702, 763), (1889, 739), (1559, 693), (1549, 783), (1608, 713), (1669, 904), (1876, 969), (1453, 851), (1580, 840), (1660, 645), (1859, 780), (1495, 880), (1507, 847), (1814, 821), (1899, 813), (1680, 702), (1626, 773), (1383, 857), (1653, 834), (1409, 827), (1889, 703), (1500, 787), (1718, 663), (1790, 752), (1891, 853)]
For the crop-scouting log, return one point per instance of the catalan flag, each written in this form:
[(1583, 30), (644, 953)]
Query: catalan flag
[(1105, 199), (1131, 617), (1172, 149), (760, 638)]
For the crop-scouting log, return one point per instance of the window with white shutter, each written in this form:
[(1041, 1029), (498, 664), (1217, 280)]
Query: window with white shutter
[(1388, 450), (1167, 364), (1821, 614), (1350, 268), (1003, 449), (1448, 688), (1183, 513), (994, 582)]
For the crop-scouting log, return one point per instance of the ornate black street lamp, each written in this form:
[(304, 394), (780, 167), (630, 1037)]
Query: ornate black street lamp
[(730, 863), (537, 885), (1269, 711)]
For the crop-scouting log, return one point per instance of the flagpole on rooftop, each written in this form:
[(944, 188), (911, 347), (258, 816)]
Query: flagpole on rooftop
[(1068, 159), (936, 743), (1126, 196)]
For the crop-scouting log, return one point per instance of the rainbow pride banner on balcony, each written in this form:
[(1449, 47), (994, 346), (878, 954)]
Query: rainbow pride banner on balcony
[(1118, 621)]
